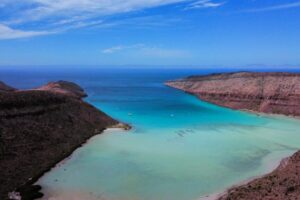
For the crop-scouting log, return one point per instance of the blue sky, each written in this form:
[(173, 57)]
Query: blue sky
[(150, 32)]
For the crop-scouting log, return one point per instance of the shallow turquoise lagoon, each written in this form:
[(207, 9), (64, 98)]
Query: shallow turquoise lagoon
[(180, 148)]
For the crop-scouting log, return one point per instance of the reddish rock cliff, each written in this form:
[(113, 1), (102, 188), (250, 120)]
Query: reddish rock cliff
[(277, 93), (40, 127)]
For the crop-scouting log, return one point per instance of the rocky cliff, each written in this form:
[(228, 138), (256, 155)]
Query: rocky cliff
[(40, 127), (277, 93)]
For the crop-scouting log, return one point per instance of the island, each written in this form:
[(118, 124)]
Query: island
[(268, 92), (39, 128)]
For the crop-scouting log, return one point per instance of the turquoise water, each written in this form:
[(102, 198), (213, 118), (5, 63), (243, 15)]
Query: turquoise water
[(180, 148)]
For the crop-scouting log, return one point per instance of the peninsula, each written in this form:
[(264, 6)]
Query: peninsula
[(39, 128), (273, 92)]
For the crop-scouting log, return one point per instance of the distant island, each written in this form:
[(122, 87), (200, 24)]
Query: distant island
[(39, 128), (272, 93)]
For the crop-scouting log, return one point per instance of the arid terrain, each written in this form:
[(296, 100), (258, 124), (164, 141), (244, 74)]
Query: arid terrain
[(39, 128), (277, 93)]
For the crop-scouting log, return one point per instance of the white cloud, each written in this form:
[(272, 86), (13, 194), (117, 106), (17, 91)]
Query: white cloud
[(41, 9), (144, 50), (112, 49), (276, 7), (119, 48), (9, 33), (204, 4), (62, 15)]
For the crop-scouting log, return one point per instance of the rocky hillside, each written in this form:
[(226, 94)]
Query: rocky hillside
[(39, 128), (277, 93), (281, 184)]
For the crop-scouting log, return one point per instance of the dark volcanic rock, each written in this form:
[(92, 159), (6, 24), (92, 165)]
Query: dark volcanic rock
[(39, 128), (28, 192), (277, 93)]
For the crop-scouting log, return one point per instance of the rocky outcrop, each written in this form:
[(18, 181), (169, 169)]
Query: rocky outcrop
[(282, 184), (277, 93), (64, 87), (39, 128)]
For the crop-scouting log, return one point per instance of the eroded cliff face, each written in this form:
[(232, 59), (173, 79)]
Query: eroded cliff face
[(277, 93), (40, 127)]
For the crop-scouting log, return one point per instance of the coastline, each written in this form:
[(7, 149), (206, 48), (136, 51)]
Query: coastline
[(33, 180), (31, 188), (269, 114), (257, 113), (270, 169), (41, 127), (28, 189), (108, 130), (266, 94), (284, 160), (286, 173)]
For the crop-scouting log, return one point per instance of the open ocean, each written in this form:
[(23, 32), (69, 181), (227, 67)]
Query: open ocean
[(180, 148)]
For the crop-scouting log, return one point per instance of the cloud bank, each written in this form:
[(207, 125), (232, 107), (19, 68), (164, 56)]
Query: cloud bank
[(39, 17), (28, 18)]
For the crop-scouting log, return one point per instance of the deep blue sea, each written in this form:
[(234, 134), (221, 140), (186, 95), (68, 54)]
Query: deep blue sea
[(180, 148)]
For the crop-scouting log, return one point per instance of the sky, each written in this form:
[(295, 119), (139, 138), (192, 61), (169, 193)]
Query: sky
[(150, 32)]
